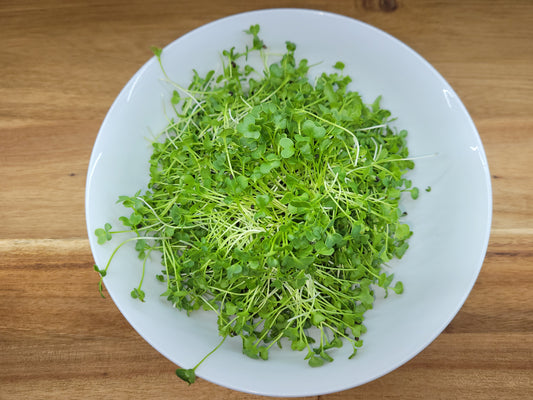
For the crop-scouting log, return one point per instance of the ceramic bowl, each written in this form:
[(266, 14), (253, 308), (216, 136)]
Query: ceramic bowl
[(451, 223)]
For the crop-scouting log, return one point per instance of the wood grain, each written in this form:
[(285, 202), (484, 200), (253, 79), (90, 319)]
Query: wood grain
[(56, 332), (61, 67)]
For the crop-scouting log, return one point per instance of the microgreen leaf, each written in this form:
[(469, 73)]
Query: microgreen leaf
[(310, 128), (242, 181), (317, 318), (137, 294), (156, 50), (315, 361), (262, 200), (291, 47), (188, 375), (102, 272), (104, 234), (339, 65), (286, 142), (398, 288), (402, 232), (248, 128), (234, 270), (253, 30)]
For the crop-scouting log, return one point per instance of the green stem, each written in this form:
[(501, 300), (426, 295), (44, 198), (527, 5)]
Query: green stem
[(211, 352)]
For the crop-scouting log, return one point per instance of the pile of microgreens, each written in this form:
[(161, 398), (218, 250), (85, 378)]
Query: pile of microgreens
[(274, 202)]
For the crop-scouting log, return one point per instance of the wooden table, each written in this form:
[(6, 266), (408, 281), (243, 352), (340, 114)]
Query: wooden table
[(61, 66)]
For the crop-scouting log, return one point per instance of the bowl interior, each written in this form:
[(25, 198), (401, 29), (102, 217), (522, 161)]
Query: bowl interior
[(451, 223)]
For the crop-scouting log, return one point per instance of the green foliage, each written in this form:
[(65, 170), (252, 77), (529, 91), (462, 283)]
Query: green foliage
[(275, 202), (188, 375), (103, 234), (157, 51), (339, 65)]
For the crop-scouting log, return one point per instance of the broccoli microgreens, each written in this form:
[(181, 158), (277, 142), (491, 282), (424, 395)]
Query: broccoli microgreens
[(274, 202)]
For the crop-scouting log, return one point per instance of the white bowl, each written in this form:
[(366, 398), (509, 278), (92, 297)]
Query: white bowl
[(451, 224)]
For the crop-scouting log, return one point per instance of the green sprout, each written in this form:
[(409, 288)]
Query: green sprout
[(275, 203)]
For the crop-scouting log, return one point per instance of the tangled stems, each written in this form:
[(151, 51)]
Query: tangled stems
[(275, 203)]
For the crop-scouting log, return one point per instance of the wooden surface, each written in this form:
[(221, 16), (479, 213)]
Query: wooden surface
[(62, 64)]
